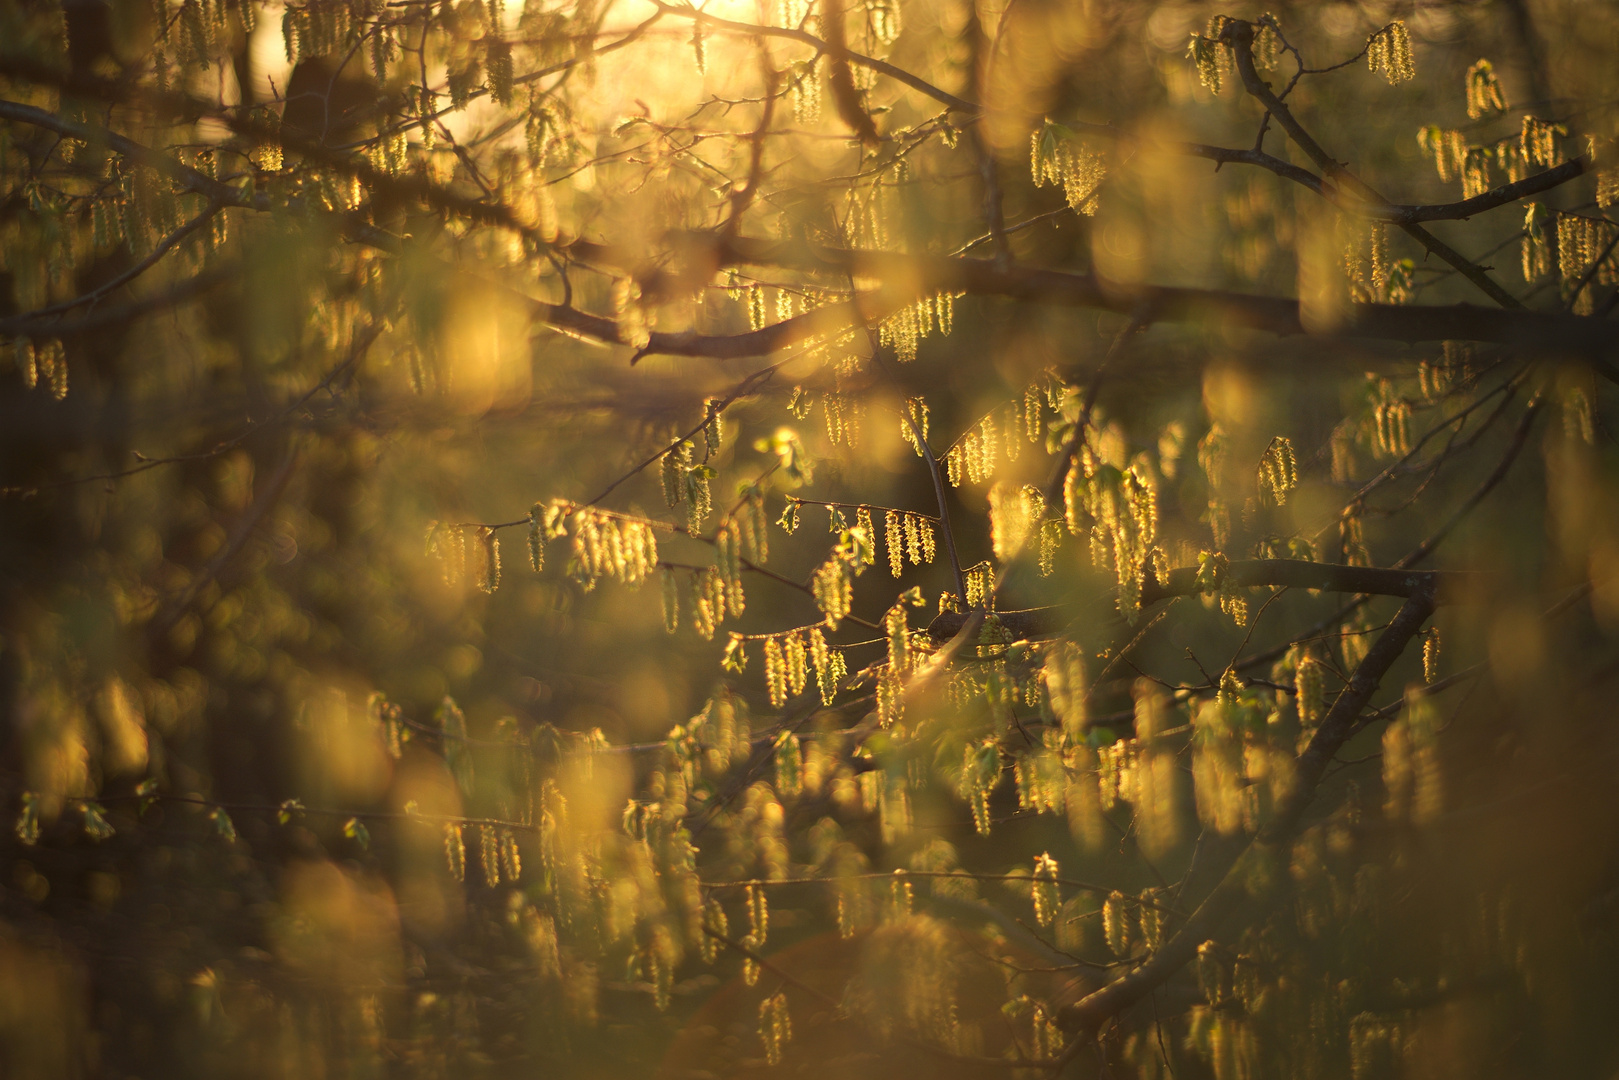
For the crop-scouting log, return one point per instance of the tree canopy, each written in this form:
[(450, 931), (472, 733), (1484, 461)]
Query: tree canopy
[(909, 537)]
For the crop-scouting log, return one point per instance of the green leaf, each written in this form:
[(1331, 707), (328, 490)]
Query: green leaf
[(736, 655), (354, 829), (27, 827), (457, 755), (224, 828), (96, 825)]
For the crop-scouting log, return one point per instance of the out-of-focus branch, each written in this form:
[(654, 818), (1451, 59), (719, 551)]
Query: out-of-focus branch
[(827, 1001), (268, 496), (1377, 210), (929, 274), (1085, 1017), (1534, 56), (926, 274), (745, 196), (1417, 554), (187, 178), (1519, 436), (980, 53), (882, 67), (840, 80), (1443, 586), (160, 249), (117, 314)]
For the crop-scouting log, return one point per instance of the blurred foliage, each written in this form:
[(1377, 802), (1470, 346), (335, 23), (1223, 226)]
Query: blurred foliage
[(421, 653)]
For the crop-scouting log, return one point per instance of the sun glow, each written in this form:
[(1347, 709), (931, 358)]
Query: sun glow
[(678, 63)]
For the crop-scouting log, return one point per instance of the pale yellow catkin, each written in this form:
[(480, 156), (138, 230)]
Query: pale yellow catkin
[(1389, 51)]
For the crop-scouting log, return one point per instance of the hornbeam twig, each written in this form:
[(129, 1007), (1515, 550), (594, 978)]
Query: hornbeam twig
[(1085, 1017), (1377, 210), (1446, 586), (926, 274), (1240, 36)]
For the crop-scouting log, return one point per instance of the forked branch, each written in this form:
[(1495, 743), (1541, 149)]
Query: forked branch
[(1222, 911), (1240, 36)]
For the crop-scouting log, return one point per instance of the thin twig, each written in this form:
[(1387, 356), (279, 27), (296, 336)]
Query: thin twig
[(1240, 35)]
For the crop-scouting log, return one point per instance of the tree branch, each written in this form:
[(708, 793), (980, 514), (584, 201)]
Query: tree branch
[(928, 274), (1342, 722), (1086, 1016), (1501, 196), (262, 505), (1444, 586), (1421, 551), (928, 458), (160, 249), (743, 197), (1519, 436), (1378, 210), (179, 293), (189, 179), (837, 1007), (1057, 474), (1240, 36), (882, 67)]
